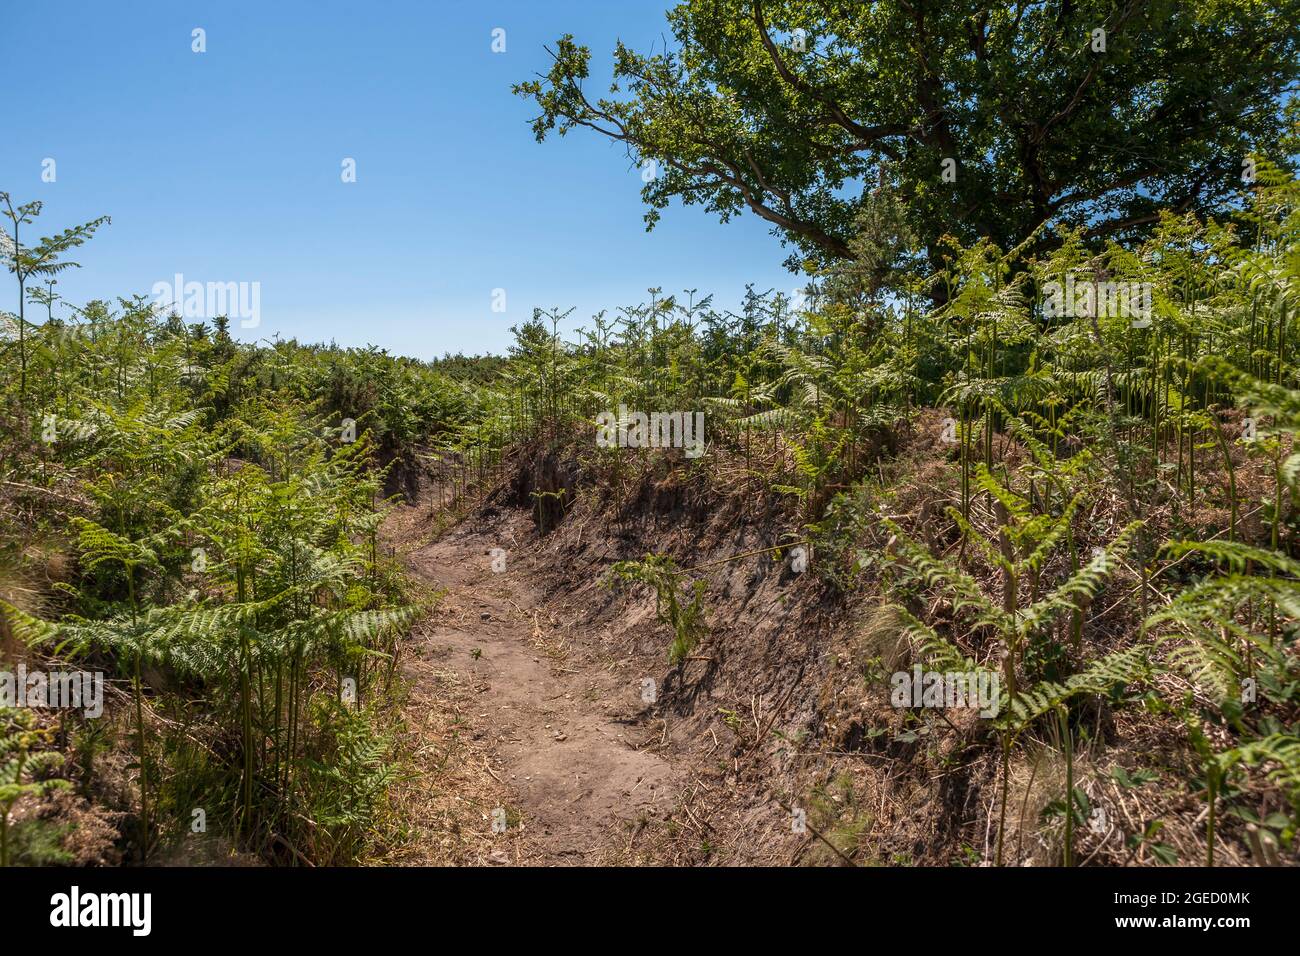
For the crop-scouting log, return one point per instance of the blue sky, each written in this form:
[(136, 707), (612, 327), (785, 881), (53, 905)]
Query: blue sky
[(225, 166)]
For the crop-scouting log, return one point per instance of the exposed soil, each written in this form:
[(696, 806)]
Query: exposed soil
[(527, 684), (560, 732), (541, 690)]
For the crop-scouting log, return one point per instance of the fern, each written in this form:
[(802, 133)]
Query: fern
[(683, 615)]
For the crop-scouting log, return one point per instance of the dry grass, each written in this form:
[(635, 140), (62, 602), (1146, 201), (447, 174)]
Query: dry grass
[(447, 795)]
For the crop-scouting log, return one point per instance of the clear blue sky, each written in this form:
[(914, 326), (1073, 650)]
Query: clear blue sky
[(225, 166)]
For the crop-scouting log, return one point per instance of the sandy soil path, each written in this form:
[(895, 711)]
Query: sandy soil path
[(559, 730)]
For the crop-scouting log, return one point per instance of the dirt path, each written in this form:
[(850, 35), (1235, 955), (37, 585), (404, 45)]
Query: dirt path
[(559, 730)]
